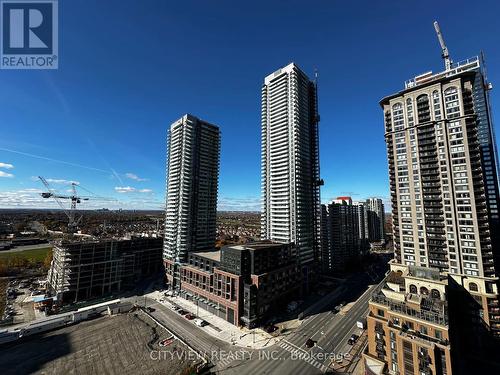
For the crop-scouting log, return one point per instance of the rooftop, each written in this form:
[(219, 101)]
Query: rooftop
[(212, 255), (264, 244), (286, 69), (456, 68), (428, 78)]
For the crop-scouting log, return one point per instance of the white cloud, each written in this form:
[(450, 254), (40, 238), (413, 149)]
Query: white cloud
[(61, 181), (239, 204), (134, 177), (6, 166), (130, 189), (124, 189), (30, 190), (5, 174), (30, 198)]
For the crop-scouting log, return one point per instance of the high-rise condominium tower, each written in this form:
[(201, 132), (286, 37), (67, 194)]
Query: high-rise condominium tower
[(443, 177), (192, 180), (443, 172), (343, 228), (376, 219), (290, 161)]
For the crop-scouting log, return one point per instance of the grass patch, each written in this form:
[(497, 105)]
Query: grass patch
[(18, 262), (35, 255)]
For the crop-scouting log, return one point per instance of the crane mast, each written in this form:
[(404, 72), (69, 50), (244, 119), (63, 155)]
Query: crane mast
[(444, 50), (72, 223)]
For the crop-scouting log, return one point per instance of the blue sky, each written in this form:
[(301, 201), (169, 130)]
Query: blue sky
[(129, 68)]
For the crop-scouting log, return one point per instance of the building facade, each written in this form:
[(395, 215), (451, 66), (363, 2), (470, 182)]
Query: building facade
[(376, 219), (84, 270), (290, 162), (440, 210), (193, 153), (443, 177), (408, 324), (344, 234), (438, 310), (243, 284)]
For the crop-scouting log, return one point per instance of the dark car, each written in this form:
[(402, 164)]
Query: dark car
[(182, 312), (310, 343), (270, 328), (189, 316), (150, 309), (352, 339)]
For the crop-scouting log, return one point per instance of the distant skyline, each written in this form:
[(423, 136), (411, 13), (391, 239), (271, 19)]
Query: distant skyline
[(101, 119)]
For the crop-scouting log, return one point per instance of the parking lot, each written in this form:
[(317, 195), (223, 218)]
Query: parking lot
[(124, 344), (18, 303)]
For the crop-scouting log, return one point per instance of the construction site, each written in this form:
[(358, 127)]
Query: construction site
[(119, 344), (86, 270)]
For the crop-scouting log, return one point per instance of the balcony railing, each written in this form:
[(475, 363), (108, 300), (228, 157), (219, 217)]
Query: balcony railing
[(401, 307)]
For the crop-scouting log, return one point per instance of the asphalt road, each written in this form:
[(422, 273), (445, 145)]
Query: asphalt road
[(18, 249), (289, 356)]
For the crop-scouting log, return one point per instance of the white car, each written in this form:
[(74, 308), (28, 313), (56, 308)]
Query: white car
[(200, 322)]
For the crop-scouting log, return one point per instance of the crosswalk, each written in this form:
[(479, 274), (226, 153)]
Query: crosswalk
[(302, 355), (224, 362)]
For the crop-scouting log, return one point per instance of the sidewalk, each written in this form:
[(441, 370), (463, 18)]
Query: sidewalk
[(239, 336)]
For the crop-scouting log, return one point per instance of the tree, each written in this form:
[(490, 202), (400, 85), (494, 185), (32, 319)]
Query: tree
[(48, 260)]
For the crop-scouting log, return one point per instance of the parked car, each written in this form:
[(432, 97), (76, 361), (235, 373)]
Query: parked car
[(189, 316), (270, 328), (310, 343), (150, 309), (167, 342), (200, 322), (353, 339), (182, 312)]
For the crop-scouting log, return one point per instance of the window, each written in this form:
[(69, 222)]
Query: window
[(409, 112), (473, 287), (398, 116), (452, 103), (423, 330), (423, 109), (436, 103), (435, 294)]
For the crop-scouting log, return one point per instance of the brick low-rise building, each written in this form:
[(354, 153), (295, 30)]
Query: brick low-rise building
[(242, 283), (408, 325), (422, 321)]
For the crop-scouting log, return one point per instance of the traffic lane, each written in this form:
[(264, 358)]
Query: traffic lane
[(315, 325), (271, 361), (261, 361), (358, 311), (323, 325), (186, 330)]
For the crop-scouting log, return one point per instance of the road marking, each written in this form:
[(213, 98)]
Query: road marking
[(224, 362), (302, 354)]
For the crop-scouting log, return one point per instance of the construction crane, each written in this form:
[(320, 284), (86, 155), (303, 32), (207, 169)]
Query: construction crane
[(72, 223), (444, 50)]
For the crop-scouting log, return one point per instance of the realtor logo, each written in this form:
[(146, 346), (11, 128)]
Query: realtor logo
[(29, 37)]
